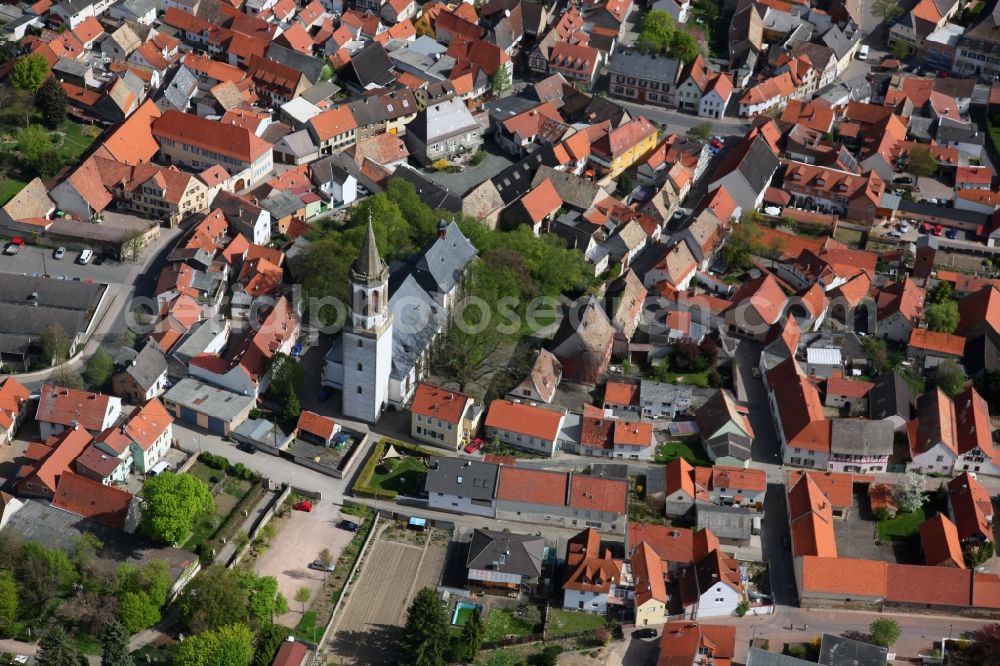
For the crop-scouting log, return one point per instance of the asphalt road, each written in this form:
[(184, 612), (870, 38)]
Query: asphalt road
[(680, 123)]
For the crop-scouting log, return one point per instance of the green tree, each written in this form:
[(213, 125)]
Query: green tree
[(921, 162), (908, 493), (302, 595), (55, 344), (126, 338), (56, 649), (500, 81), (472, 636), (950, 378), (899, 49), (425, 638), (33, 141), (701, 132), (51, 102), (989, 387), (114, 646), (100, 367), (287, 375), (265, 601), (940, 293), (742, 243), (216, 598), (683, 46), (47, 163), (291, 410), (942, 317), (171, 503), (8, 598), (269, 640), (976, 556), (884, 631), (29, 72), (43, 573), (231, 645), (141, 593), (655, 32), (886, 9)]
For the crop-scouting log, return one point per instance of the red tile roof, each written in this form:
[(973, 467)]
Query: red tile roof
[(939, 540), (229, 140), (593, 493), (92, 499), (64, 449), (971, 507), (982, 306), (525, 419), (316, 424), (917, 584), (291, 653), (811, 518), (671, 544), (63, 406), (937, 342), (148, 423), (800, 409), (838, 488), (633, 433), (439, 403), (844, 577), (849, 388), (533, 486), (542, 201), (13, 397), (650, 575)]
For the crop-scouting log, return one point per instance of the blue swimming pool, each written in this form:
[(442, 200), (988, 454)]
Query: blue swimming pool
[(463, 611)]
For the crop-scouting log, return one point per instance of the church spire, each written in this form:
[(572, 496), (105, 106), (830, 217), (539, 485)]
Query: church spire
[(369, 268)]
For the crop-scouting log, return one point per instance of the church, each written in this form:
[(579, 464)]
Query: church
[(394, 314)]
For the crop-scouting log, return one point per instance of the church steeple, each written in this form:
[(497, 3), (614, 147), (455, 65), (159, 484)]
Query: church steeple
[(369, 268)]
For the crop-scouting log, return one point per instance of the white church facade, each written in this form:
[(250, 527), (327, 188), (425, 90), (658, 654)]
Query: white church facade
[(395, 314)]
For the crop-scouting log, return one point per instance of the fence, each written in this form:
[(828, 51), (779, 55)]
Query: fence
[(347, 586), (264, 519), (516, 640)]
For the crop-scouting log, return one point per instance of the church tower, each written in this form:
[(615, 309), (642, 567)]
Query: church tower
[(368, 336)]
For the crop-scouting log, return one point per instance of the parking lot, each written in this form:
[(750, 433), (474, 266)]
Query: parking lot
[(41, 260), (299, 539), (398, 565)]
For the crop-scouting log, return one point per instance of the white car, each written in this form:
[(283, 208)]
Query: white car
[(894, 234), (772, 210), (60, 253), (904, 227)]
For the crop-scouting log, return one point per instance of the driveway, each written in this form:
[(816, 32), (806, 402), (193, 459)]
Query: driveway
[(766, 447), (773, 537), (300, 538)]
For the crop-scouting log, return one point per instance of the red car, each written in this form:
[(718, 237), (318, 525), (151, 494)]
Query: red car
[(476, 444), (716, 143), (925, 228), (303, 505), (938, 229)]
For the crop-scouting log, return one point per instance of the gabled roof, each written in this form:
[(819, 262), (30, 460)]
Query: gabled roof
[(971, 507), (439, 403), (588, 569), (532, 486), (763, 295), (63, 450), (92, 499), (316, 424), (800, 408), (66, 406), (939, 540), (148, 424), (811, 517)]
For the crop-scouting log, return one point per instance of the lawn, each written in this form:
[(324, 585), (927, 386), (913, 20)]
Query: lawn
[(850, 237), (994, 134), (904, 527), (699, 379), (227, 497), (563, 622), (76, 141), (202, 471), (501, 622), (9, 187), (308, 629), (404, 476), (690, 450)]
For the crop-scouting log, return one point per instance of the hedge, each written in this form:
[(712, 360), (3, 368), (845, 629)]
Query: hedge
[(362, 487)]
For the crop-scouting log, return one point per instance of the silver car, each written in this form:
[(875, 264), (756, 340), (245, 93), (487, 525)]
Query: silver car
[(59, 253)]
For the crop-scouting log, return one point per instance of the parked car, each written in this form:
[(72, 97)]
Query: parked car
[(952, 234), (59, 253), (894, 234), (938, 229), (475, 445), (99, 259), (85, 256), (12, 248), (645, 632), (903, 180), (348, 525), (319, 566), (716, 143), (246, 447), (303, 505), (904, 227), (925, 228)]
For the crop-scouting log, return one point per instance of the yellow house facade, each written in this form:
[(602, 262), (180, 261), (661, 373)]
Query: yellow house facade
[(622, 147)]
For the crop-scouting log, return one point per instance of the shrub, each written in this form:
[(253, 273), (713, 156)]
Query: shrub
[(742, 607), (882, 513), (478, 158), (765, 644), (214, 479), (602, 636), (214, 461), (798, 651), (550, 655)]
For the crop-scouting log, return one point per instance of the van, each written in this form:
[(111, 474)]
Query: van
[(86, 256), (863, 52)]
